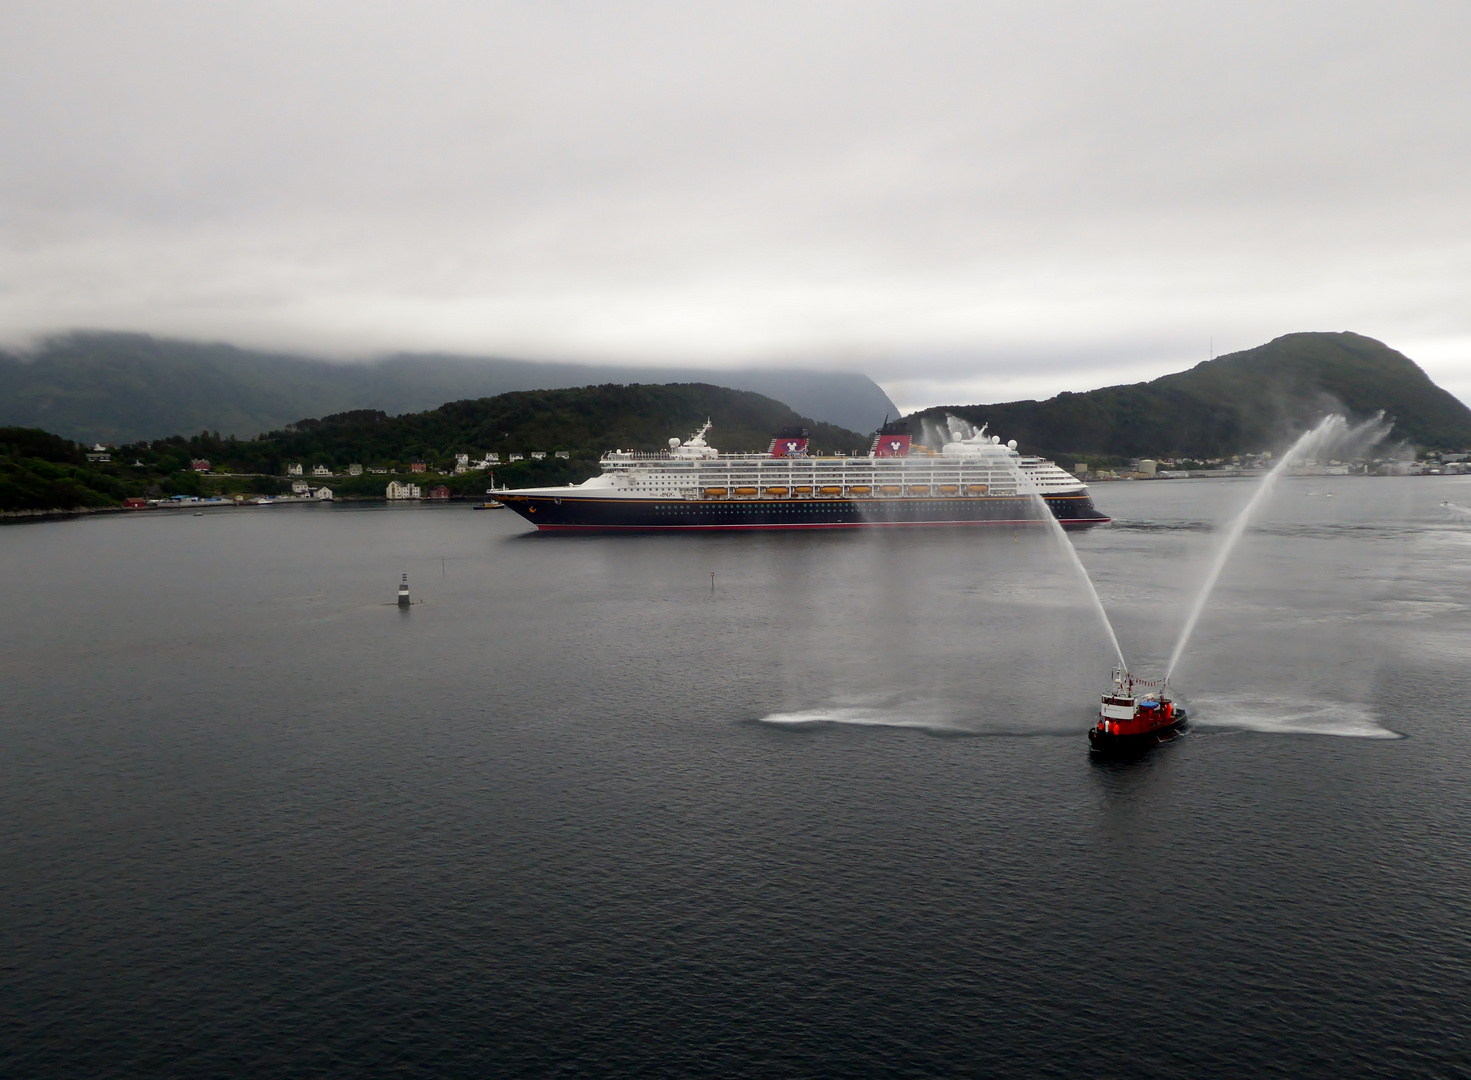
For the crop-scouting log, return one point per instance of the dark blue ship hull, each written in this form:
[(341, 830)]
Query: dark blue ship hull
[(573, 511)]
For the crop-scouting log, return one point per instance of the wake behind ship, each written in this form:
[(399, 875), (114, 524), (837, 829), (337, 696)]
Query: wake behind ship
[(969, 481)]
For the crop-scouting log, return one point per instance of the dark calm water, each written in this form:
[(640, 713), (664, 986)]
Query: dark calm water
[(575, 814)]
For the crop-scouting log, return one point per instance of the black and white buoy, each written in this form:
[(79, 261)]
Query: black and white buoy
[(403, 592)]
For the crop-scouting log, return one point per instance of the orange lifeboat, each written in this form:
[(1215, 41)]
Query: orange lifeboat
[(976, 489), (829, 491), (891, 489), (801, 491), (746, 491), (860, 489), (919, 489), (778, 492), (948, 489), (716, 493)]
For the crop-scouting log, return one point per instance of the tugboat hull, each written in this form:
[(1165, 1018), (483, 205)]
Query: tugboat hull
[(1108, 744)]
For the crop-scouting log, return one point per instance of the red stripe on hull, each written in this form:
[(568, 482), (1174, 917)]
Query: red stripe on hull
[(818, 525)]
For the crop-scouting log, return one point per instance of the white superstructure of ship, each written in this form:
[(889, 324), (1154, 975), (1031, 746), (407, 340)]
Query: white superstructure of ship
[(975, 479)]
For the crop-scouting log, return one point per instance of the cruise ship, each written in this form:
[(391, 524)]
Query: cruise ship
[(974, 480)]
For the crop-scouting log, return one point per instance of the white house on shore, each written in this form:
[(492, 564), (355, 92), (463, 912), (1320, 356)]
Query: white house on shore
[(321, 470), (300, 487), (323, 493), (293, 470), (397, 490)]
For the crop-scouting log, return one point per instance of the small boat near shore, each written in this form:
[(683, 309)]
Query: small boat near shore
[(1133, 715)]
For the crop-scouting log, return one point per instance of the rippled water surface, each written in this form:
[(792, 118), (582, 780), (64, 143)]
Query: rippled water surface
[(577, 812)]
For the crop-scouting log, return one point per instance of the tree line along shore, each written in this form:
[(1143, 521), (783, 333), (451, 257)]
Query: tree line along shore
[(1211, 419)]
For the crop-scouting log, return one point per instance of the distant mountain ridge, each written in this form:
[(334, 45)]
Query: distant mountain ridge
[(1242, 402), (121, 388)]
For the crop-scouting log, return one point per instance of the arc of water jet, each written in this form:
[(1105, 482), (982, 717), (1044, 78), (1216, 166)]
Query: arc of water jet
[(1060, 534), (1330, 430)]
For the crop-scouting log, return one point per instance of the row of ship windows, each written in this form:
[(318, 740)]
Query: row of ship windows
[(738, 480), (804, 507), (726, 474)]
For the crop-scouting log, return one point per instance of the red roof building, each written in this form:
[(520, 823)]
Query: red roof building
[(441, 492)]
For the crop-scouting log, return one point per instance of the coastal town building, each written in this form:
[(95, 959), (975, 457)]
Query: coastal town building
[(323, 493), (562, 454), (440, 492), (293, 470), (321, 470), (538, 455), (199, 464), (515, 457), (418, 466), (354, 470), (99, 455), (397, 490), (300, 487)]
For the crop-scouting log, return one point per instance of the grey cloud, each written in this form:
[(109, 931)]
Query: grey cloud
[(938, 193)]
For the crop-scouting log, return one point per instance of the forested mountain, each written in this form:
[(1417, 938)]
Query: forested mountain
[(40, 470), (584, 422), (1242, 402), (125, 387)]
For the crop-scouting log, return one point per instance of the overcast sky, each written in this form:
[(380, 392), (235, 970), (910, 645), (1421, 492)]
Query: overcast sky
[(969, 202)]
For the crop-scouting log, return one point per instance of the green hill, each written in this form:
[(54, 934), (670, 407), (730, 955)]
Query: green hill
[(41, 471), (125, 387), (1243, 402), (584, 422)]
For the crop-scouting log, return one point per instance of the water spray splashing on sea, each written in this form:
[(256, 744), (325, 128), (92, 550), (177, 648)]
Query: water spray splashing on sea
[(1335, 434)]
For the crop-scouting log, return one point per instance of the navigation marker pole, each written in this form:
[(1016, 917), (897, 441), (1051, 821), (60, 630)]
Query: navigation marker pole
[(403, 592)]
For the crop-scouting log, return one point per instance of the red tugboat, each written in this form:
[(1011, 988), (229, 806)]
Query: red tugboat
[(1134, 715)]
